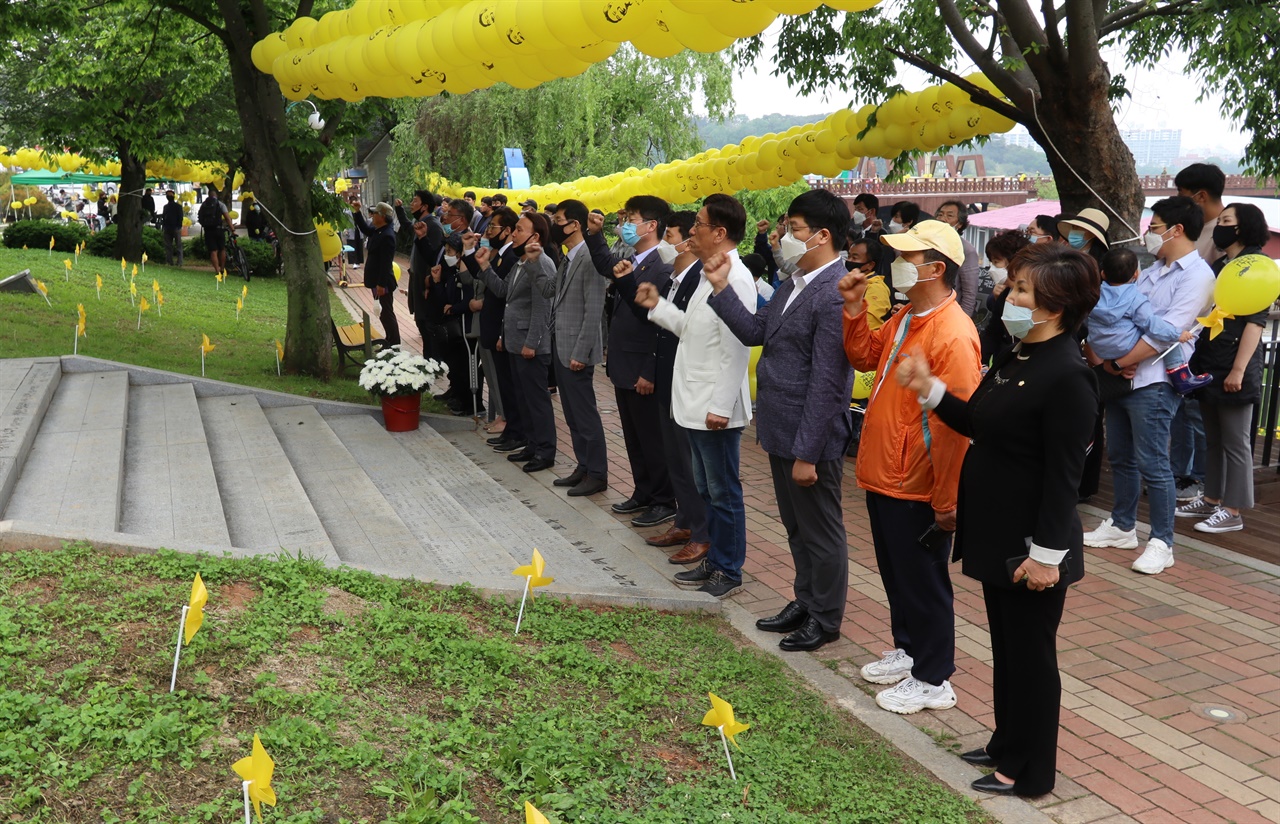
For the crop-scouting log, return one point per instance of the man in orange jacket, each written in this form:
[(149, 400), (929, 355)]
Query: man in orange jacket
[(909, 461)]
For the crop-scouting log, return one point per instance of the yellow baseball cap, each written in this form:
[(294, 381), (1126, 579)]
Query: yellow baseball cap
[(928, 234)]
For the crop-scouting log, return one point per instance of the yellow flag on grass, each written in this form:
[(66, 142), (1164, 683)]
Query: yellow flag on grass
[(721, 715), (143, 305), (98, 281), (244, 291), (533, 571), (207, 347), (122, 265), (239, 305), (133, 289), (532, 816), (195, 614), (155, 286), (51, 243), (279, 350), (258, 768), (80, 333), (144, 257), (44, 290), (67, 263), (134, 274)]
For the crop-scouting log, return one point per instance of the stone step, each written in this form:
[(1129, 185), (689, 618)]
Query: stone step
[(170, 490), (266, 507), (74, 475), (453, 506), (363, 527), (26, 389)]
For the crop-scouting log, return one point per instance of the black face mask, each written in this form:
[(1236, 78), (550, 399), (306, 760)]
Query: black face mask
[(1224, 236), (559, 233), (519, 250)]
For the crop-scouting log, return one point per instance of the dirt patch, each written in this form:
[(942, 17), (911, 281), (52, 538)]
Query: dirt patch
[(237, 595), (340, 601), (624, 651), (306, 635), (293, 673)]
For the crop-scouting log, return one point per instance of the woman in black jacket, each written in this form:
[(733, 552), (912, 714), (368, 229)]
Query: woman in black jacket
[(1030, 421), (1234, 359), (381, 253)]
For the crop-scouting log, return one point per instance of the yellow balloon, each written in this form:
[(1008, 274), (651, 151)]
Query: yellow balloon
[(1248, 284), (863, 382), (395, 270), (330, 243), (751, 368)]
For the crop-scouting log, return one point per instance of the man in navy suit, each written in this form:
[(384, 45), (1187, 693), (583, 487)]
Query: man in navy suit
[(631, 366), (803, 385)]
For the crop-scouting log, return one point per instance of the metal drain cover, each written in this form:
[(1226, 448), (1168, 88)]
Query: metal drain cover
[(1220, 714)]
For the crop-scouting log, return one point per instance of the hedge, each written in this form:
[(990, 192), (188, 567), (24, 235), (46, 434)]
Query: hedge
[(35, 234), (260, 254), (103, 244)]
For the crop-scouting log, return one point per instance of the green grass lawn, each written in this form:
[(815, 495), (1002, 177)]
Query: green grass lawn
[(194, 305), (383, 700)]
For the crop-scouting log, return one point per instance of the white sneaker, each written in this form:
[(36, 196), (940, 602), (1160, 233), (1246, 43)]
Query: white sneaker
[(911, 696), (892, 668), (1156, 558), (1108, 534)]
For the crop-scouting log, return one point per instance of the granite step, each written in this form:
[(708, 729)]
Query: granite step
[(266, 506), (170, 489), (26, 389), (364, 528), (74, 472)]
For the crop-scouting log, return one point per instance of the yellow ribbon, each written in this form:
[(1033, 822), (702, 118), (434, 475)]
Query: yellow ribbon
[(1213, 321)]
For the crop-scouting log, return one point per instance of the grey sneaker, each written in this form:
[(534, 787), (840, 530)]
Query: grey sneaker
[(1187, 490), (1221, 521), (721, 586), (694, 578), (1199, 508)]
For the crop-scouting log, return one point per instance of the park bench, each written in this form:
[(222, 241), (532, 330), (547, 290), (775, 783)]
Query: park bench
[(356, 337)]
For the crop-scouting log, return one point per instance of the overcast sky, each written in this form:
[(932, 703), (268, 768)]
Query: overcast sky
[(1163, 98)]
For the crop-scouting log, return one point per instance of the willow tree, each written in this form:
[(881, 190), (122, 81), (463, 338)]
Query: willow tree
[(1046, 59)]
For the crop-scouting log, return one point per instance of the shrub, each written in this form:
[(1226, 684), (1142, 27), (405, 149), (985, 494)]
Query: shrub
[(260, 254), (103, 244), (34, 234)]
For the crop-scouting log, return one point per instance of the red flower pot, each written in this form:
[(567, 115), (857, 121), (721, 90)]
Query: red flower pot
[(401, 414)]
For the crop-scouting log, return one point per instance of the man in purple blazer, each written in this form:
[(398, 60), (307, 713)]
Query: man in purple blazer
[(803, 385)]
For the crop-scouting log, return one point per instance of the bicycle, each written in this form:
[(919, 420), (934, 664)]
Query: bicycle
[(236, 259)]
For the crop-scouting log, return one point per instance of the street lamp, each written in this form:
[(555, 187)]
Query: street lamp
[(315, 121)]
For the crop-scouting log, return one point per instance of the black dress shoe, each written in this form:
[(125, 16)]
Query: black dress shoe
[(809, 637), (589, 486), (654, 515), (978, 758), (573, 479), (790, 619), (510, 446), (496, 439), (990, 784), (523, 455), (631, 504), (539, 464)]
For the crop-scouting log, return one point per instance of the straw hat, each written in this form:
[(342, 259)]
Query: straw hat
[(1092, 221)]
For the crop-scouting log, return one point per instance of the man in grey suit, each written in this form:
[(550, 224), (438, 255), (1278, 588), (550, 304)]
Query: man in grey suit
[(803, 385), (577, 346), (526, 335)]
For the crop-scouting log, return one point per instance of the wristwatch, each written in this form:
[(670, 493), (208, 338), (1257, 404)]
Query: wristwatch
[(1116, 366)]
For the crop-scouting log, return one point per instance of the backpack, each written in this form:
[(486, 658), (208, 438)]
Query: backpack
[(210, 214)]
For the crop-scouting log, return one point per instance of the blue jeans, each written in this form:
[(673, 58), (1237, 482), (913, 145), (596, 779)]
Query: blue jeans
[(715, 474), (1187, 451), (1138, 448)]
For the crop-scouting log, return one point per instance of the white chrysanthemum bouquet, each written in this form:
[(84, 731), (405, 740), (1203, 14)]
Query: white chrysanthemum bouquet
[(392, 373)]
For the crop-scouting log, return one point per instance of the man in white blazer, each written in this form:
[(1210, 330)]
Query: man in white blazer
[(710, 397)]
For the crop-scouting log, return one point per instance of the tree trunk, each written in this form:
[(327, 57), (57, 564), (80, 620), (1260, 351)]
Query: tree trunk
[(133, 182), (1081, 126), (286, 193)]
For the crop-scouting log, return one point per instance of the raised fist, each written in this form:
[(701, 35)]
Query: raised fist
[(762, 226), (595, 222), (623, 269), (647, 295)]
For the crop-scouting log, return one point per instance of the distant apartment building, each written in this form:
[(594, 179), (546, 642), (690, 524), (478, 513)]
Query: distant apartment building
[(1150, 147)]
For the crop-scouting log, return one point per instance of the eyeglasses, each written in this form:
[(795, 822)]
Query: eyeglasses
[(698, 224)]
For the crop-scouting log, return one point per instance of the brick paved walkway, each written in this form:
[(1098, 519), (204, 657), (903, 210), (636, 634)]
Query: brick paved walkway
[(1144, 660)]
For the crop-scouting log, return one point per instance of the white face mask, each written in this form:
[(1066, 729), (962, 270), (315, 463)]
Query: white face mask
[(895, 227), (906, 274), (859, 218), (791, 248), (998, 274), (1154, 242), (666, 252), (451, 260)]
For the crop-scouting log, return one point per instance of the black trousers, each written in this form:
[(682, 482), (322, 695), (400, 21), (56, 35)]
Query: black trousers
[(507, 390), (922, 611), (435, 340), (815, 533), (390, 326), (537, 417), (1026, 685), (642, 435), (691, 510), (578, 398)]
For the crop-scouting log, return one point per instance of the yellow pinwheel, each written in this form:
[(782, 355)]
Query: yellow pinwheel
[(279, 351), (135, 271), (133, 289), (80, 328), (195, 609), (244, 290), (257, 770), (44, 290), (143, 305), (532, 816), (122, 266), (721, 716), (205, 346), (51, 242), (533, 571), (155, 286), (1213, 321)]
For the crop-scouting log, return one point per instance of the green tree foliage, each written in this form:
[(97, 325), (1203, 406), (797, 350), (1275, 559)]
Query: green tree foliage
[(630, 110), (716, 132), (1046, 59)]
